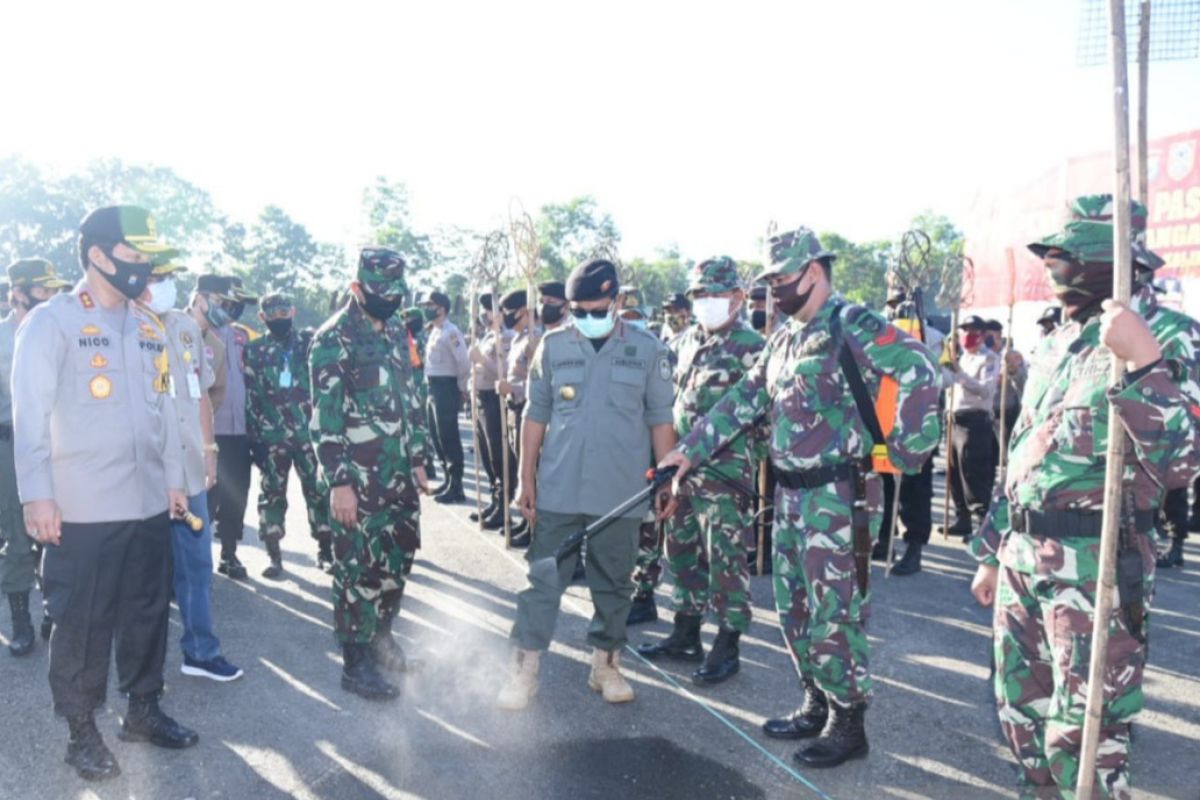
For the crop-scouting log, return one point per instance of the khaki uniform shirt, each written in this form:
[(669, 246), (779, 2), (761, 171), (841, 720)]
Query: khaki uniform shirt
[(191, 377), (93, 423), (598, 409), (518, 362), (214, 352), (229, 416), (446, 354)]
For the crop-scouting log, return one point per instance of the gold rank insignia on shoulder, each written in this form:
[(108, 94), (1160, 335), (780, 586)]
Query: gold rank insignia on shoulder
[(567, 393), (99, 361), (148, 331), (100, 387), (86, 301)]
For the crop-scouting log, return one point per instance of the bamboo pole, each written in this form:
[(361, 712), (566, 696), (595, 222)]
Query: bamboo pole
[(1122, 273), (949, 428), (1004, 370), (474, 306), (1143, 74), (763, 480)]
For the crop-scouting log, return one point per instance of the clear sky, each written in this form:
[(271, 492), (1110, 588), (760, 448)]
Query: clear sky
[(691, 122)]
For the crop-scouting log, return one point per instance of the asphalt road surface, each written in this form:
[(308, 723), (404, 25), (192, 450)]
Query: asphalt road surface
[(288, 730)]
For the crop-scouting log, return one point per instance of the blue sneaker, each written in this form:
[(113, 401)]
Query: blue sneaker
[(217, 669)]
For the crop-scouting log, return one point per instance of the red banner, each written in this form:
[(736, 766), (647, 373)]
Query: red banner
[(999, 221)]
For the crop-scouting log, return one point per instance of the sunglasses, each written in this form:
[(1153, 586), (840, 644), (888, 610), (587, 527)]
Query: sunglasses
[(595, 313)]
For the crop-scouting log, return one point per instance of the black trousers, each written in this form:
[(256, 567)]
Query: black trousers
[(916, 503), (496, 449), (107, 580), (972, 464), (444, 402), (227, 500), (1173, 516)]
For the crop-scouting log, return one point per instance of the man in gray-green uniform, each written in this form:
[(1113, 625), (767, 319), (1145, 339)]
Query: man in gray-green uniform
[(599, 402), (33, 281), (100, 472)]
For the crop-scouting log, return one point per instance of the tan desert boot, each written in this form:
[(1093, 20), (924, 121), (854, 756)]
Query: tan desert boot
[(523, 684), (606, 677)]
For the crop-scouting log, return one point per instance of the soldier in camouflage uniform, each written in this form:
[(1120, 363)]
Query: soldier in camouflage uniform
[(708, 536), (820, 445), (368, 429), (1039, 548), (278, 408)]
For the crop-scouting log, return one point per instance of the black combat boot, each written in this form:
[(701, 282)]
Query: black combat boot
[(430, 471), (274, 570), (1173, 557), (386, 651), (843, 738), (453, 492), (722, 662), (47, 624), (360, 676), (521, 535), (488, 510), (809, 719), (642, 610), (21, 643), (495, 520), (325, 554), (230, 566), (86, 751), (683, 643), (146, 722), (910, 562)]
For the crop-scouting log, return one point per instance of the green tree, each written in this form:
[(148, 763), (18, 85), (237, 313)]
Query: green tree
[(385, 204), (37, 218), (570, 232)]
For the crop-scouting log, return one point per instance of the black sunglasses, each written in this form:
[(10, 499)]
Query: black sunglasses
[(595, 313)]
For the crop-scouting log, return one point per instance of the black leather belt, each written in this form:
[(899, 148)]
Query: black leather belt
[(1069, 524), (816, 477)]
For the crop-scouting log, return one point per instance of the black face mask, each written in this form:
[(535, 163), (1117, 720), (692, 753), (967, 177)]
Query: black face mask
[(414, 326), (758, 319), (510, 320), (379, 306), (280, 328), (130, 279), (234, 310), (431, 314), (787, 299), (551, 314)]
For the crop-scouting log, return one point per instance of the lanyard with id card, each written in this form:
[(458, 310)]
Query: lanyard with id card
[(285, 377)]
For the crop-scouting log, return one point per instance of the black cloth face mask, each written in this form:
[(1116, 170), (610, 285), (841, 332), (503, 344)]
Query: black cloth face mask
[(414, 326), (758, 319), (280, 328), (130, 279), (787, 299), (510, 319), (379, 306), (551, 314)]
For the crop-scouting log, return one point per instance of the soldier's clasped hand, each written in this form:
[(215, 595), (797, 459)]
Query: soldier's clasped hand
[(1126, 334)]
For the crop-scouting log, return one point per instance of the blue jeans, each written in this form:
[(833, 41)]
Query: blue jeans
[(193, 583)]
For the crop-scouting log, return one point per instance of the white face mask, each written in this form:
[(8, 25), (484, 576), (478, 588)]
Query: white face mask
[(162, 296), (712, 312)]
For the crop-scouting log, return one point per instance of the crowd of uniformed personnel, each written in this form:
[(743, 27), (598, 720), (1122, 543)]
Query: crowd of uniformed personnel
[(796, 423)]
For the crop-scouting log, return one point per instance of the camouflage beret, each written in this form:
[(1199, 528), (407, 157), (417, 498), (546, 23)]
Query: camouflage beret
[(715, 275), (381, 271), (790, 252)]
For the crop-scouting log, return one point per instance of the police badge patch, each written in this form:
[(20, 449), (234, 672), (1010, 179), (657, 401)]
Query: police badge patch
[(664, 368)]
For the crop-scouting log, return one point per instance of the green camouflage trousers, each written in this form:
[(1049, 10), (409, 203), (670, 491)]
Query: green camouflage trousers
[(272, 496), (370, 564), (706, 551), (1043, 651), (822, 614), (647, 566)]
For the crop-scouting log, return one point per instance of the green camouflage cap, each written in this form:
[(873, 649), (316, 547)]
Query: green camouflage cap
[(1088, 235), (381, 271), (630, 299), (715, 275), (788, 253), (30, 272), (274, 301)]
